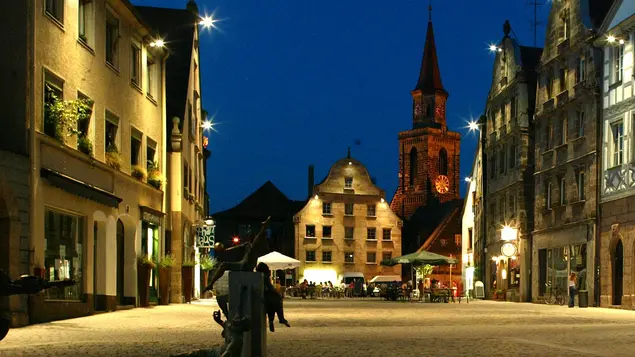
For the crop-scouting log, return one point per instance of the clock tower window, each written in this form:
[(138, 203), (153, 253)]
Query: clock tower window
[(443, 162), (413, 166)]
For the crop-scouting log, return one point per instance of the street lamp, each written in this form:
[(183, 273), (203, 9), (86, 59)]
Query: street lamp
[(508, 233)]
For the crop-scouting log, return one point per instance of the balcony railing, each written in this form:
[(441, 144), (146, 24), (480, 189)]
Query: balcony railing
[(619, 178), (563, 98), (563, 46), (548, 105)]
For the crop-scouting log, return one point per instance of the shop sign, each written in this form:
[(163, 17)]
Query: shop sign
[(205, 236), (509, 249), (151, 218)]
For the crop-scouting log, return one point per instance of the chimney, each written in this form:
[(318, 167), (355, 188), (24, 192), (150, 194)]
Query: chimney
[(311, 180)]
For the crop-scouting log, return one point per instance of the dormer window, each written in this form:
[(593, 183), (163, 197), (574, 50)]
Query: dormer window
[(348, 183)]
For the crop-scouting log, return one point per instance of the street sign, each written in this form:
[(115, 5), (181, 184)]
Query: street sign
[(205, 236)]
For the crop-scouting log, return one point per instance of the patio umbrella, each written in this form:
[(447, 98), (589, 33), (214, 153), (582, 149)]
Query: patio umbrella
[(420, 258)]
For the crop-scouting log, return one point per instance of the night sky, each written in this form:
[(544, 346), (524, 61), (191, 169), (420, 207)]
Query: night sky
[(295, 82)]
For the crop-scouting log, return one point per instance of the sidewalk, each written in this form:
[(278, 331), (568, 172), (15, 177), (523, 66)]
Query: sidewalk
[(156, 331)]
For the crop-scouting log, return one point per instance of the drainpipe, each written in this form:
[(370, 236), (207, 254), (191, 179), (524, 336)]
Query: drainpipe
[(32, 133), (598, 172)]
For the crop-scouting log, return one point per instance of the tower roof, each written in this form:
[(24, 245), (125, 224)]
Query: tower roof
[(430, 76)]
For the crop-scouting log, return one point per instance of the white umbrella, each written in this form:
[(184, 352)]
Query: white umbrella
[(278, 261)]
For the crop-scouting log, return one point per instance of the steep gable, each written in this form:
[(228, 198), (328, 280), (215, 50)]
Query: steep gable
[(267, 200)]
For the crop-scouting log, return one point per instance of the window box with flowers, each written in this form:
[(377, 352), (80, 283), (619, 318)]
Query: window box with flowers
[(155, 178), (139, 173), (62, 116), (113, 157)]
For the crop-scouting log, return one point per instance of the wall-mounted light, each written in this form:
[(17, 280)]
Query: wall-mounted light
[(468, 179), (315, 197), (208, 21), (383, 200), (235, 240), (473, 126), (157, 43)]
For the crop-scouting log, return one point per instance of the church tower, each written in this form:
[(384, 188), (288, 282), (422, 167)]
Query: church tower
[(428, 153)]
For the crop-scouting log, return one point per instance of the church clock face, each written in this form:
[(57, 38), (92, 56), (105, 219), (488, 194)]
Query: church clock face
[(440, 111), (442, 184)]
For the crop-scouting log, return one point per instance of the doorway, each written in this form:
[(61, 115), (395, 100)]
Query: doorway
[(618, 273), (95, 300), (120, 262)]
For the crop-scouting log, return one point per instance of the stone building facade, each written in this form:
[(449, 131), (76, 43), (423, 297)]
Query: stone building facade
[(428, 153), (88, 189), (617, 228), (509, 148), (566, 179), (185, 199), (471, 216), (347, 228)]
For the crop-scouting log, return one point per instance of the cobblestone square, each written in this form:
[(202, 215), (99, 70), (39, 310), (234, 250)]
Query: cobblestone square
[(345, 328)]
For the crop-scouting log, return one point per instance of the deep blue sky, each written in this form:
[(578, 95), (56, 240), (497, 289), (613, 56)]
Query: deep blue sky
[(294, 82)]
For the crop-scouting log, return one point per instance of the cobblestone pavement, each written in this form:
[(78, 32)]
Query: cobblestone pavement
[(346, 328)]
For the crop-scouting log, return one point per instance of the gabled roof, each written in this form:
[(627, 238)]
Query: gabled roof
[(267, 200), (430, 220), (177, 28), (430, 76)]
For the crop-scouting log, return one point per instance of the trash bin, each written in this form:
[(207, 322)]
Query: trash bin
[(583, 298)]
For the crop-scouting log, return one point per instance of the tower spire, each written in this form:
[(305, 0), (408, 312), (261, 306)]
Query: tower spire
[(430, 76), (430, 11)]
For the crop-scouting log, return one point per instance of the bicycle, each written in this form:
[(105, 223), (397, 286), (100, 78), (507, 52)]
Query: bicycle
[(556, 296)]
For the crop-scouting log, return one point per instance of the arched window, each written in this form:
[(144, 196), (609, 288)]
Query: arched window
[(443, 162), (413, 166)]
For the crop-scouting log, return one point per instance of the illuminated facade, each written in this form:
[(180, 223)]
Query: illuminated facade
[(470, 224), (509, 150), (346, 227), (568, 105), (616, 38)]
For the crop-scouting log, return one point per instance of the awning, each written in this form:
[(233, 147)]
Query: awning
[(80, 188)]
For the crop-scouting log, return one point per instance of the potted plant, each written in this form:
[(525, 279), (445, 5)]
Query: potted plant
[(207, 263), (85, 145), (144, 265), (155, 178), (113, 158), (165, 269), (61, 116), (139, 173), (187, 275)]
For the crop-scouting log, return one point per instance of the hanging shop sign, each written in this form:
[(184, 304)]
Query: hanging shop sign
[(205, 236), (509, 249)]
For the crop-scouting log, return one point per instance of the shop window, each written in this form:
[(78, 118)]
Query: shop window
[(513, 272), (63, 257), (578, 265)]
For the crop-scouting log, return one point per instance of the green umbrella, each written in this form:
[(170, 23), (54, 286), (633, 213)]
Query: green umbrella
[(420, 258)]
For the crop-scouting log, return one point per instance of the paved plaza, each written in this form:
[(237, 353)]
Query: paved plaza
[(346, 328)]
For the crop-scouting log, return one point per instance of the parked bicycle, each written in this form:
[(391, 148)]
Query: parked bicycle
[(556, 296)]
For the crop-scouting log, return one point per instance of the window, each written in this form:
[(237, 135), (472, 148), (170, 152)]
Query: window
[(310, 255), (617, 64), (112, 40), (563, 191), (493, 168), (580, 183), (190, 119), (565, 29), (371, 210), (64, 254), (195, 124), (83, 122), (135, 147), (55, 9), (503, 113), (549, 85), (85, 21), (348, 209), (151, 75), (386, 234), (348, 232), (348, 182), (53, 92), (548, 195), (151, 152), (617, 146), (580, 71), (186, 178), (580, 123), (371, 233), (512, 153), (414, 162), (469, 238), (562, 79), (548, 137), (386, 256), (371, 258), (327, 256), (310, 231), (512, 107), (326, 208), (501, 160), (326, 231), (443, 162), (112, 127), (135, 66), (349, 257), (563, 130)]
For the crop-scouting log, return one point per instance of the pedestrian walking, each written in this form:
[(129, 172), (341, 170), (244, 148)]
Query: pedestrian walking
[(572, 285)]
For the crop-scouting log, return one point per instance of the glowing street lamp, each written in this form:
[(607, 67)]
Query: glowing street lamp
[(157, 43), (473, 126), (610, 39), (508, 233), (207, 125), (468, 179), (208, 21)]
